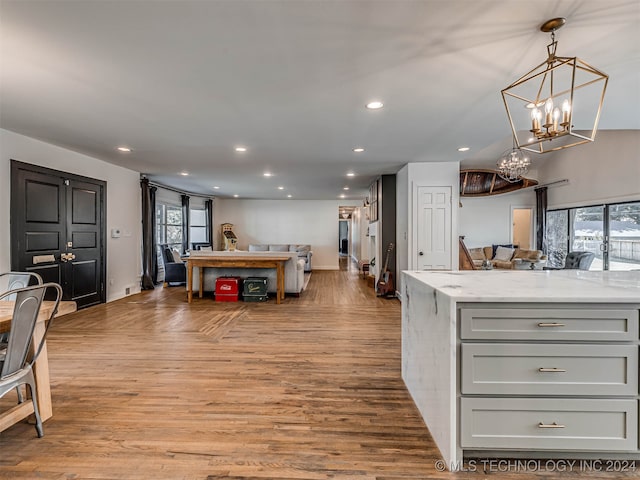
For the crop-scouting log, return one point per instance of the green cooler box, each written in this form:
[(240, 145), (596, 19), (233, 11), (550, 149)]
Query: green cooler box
[(255, 289)]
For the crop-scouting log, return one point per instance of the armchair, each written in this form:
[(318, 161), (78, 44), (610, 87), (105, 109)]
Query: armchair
[(576, 261), (579, 260), (175, 270)]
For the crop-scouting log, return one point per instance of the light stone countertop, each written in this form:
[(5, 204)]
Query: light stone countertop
[(533, 286)]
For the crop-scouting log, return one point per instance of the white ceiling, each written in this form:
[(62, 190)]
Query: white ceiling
[(183, 82)]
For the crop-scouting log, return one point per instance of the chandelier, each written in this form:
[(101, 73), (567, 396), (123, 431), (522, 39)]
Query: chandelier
[(556, 104), (513, 164)]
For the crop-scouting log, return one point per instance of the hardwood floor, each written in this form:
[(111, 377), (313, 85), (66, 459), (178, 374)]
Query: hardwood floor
[(150, 387)]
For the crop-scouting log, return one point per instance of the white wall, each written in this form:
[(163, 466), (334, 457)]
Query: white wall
[(285, 221), (487, 220), (123, 204), (402, 221), (408, 180), (360, 239), (433, 174), (604, 171)]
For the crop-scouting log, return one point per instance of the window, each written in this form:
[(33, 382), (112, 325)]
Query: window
[(198, 225), (169, 225), (624, 236), (611, 232)]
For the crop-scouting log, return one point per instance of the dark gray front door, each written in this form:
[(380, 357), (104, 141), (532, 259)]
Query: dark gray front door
[(57, 230)]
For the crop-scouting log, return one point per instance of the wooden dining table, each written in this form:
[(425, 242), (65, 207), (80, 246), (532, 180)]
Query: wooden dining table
[(40, 367)]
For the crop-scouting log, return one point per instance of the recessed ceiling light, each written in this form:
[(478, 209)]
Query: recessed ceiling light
[(268, 174), (464, 149), (358, 150), (346, 188), (241, 149), (124, 149), (236, 195), (289, 196), (375, 105), (216, 187), (184, 174), (342, 196), (351, 174), (280, 188)]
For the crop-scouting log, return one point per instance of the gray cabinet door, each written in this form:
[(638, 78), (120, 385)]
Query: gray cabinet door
[(597, 323), (549, 424), (549, 369)]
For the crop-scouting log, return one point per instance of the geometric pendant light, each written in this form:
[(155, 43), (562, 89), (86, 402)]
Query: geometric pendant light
[(556, 104)]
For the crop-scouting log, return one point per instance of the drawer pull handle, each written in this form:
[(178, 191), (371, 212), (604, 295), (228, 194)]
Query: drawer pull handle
[(552, 425), (551, 370), (542, 325)]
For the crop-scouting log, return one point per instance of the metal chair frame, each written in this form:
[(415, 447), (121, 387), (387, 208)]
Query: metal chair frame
[(16, 368)]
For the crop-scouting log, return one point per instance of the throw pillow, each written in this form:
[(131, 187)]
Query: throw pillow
[(176, 256), (303, 249), (529, 255), (495, 247), (504, 254), (535, 255)]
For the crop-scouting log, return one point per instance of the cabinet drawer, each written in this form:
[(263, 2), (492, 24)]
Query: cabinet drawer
[(549, 424), (549, 369), (593, 324)]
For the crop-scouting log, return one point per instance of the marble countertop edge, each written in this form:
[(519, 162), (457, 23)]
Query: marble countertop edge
[(533, 286)]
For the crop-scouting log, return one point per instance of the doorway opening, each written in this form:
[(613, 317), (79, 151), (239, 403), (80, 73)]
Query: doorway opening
[(343, 242), (522, 227), (346, 241)]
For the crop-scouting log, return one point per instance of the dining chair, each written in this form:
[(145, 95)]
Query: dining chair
[(11, 281), (16, 368)]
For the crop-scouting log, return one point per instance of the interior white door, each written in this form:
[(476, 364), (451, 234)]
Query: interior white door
[(434, 228)]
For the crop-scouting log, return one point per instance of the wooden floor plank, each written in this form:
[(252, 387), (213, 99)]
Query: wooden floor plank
[(150, 387)]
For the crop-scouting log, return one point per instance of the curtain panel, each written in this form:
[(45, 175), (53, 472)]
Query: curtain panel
[(208, 209), (186, 221), (541, 218), (149, 256)]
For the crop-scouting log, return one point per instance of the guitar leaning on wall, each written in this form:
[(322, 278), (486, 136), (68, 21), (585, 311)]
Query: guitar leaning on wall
[(385, 286)]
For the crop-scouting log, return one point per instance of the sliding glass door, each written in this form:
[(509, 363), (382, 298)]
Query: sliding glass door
[(611, 232), (624, 236), (587, 234)]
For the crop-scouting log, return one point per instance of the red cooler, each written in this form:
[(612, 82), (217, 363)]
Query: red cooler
[(227, 289)]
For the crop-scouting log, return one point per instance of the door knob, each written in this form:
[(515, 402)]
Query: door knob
[(420, 253), (65, 257)]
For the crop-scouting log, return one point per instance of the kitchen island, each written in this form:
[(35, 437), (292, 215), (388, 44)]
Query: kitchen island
[(534, 364)]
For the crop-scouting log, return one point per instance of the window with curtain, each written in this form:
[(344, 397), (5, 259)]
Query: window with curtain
[(198, 225), (169, 225)]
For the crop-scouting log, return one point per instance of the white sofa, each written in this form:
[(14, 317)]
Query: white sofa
[(293, 271), (304, 251)]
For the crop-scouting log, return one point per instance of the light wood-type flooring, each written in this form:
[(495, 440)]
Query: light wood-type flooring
[(150, 387)]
